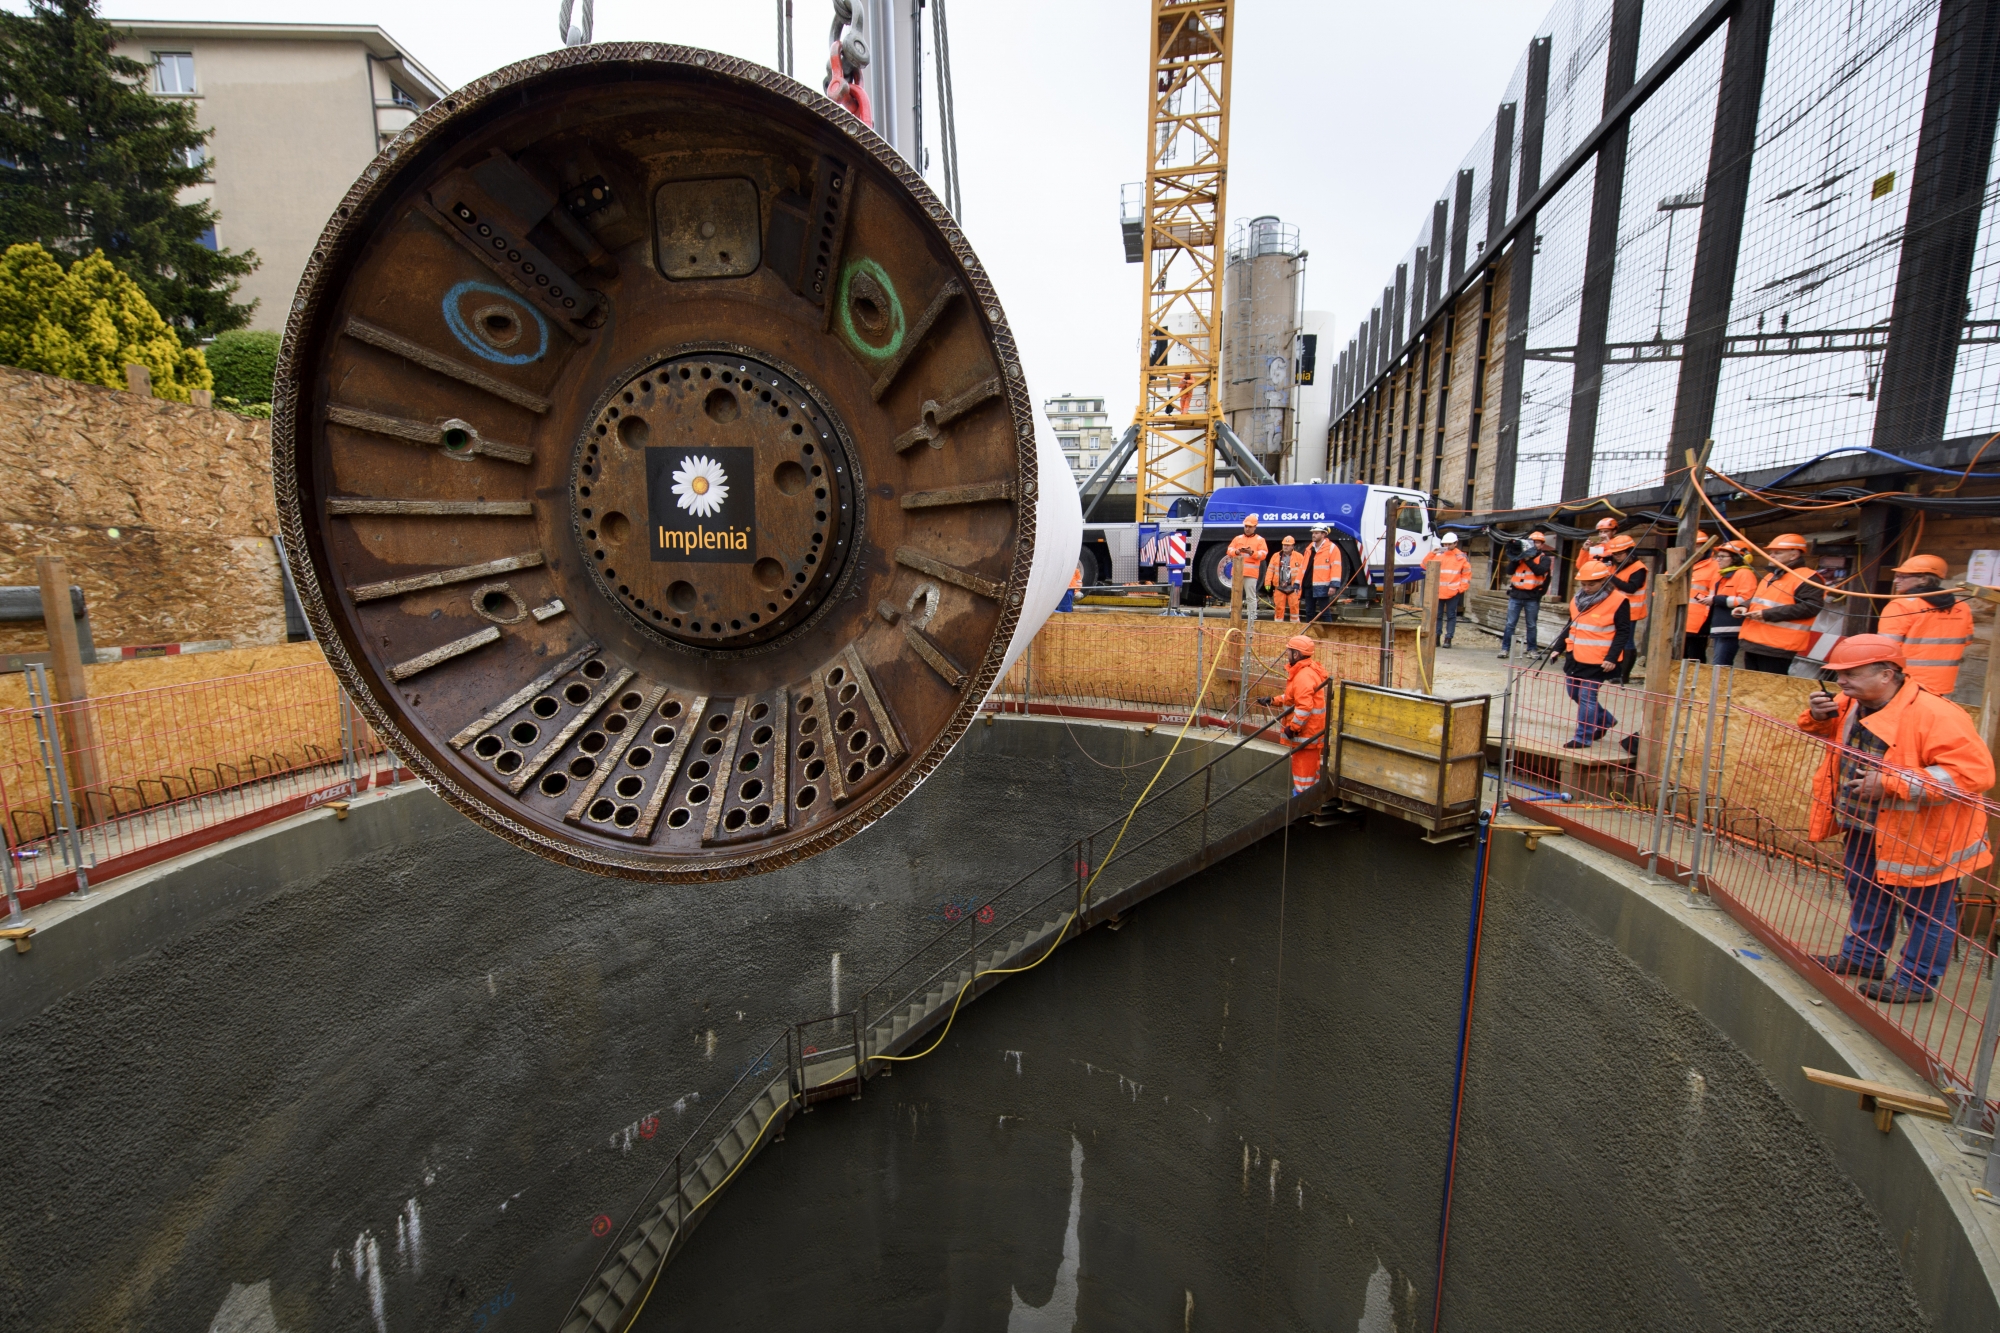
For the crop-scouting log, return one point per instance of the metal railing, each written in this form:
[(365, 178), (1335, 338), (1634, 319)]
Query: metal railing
[(1721, 799), (1063, 894), (109, 785)]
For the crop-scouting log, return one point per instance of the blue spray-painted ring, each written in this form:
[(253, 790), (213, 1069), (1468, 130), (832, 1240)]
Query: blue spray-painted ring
[(471, 341)]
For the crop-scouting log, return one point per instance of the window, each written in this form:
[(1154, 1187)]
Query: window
[(208, 241), (173, 71), (401, 98), (197, 157)]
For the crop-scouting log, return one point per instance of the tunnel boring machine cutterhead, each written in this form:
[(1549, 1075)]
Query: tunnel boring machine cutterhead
[(655, 463)]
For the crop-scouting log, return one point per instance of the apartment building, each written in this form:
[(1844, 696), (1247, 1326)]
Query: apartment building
[(296, 111), (1084, 433)]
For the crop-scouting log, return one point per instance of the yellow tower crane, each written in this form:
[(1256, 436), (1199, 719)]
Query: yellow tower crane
[(1187, 168)]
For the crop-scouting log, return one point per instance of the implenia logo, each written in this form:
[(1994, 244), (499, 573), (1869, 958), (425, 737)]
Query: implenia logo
[(702, 504)]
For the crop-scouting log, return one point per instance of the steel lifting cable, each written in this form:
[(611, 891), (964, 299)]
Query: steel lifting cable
[(1475, 928)]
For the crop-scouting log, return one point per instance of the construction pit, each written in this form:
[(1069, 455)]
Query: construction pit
[(380, 1069)]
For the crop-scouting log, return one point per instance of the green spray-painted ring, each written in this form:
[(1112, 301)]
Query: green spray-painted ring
[(862, 345)]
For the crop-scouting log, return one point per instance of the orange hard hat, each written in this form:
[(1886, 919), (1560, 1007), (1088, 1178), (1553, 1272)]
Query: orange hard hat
[(1787, 541), (1607, 525), (1921, 564), (1699, 536), (1300, 643), (1738, 547), (1592, 570), (1620, 543), (1857, 650), (1286, 540), (1249, 520), (1538, 536)]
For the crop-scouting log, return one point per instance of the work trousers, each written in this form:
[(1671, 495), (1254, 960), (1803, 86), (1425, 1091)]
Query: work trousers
[(1315, 606), (1528, 612), (1873, 912), (1775, 664), (1593, 719), (1305, 766), (1448, 611), (1284, 605), (1068, 602), (1694, 647), (1725, 648)]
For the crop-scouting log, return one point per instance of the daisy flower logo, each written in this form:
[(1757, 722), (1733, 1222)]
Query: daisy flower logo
[(700, 485)]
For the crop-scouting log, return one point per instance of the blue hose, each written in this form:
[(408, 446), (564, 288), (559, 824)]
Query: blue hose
[(1902, 464), (1481, 859)]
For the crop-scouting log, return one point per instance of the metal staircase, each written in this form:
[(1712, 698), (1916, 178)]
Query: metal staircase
[(1172, 834)]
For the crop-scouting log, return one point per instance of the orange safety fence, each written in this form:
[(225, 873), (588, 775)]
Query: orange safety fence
[(136, 777), (1720, 797)]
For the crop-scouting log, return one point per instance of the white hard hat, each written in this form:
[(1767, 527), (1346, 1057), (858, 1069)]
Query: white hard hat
[(1451, 539)]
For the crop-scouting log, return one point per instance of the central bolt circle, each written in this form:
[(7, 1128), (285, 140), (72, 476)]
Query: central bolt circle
[(713, 500)]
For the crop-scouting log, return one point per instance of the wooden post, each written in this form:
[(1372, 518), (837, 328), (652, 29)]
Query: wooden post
[(1427, 648), (1667, 613), (1989, 699), (79, 738), (1387, 675)]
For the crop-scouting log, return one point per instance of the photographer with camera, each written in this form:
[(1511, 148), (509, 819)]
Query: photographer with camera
[(1532, 568)]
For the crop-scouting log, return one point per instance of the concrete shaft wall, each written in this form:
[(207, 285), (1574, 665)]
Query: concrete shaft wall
[(1237, 1106), (392, 1074)]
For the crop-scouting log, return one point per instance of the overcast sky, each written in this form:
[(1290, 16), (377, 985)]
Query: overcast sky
[(1348, 118)]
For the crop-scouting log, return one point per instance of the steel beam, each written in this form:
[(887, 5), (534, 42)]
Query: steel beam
[(1725, 197), (1521, 279), (1601, 256), (1941, 230)]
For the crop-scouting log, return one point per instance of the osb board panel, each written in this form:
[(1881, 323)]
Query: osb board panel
[(188, 490), (1458, 404), (150, 746), (1150, 659), (152, 673), (1496, 361)]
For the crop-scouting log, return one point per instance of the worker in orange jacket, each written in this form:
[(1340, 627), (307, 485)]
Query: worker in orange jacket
[(1284, 575), (1777, 625), (1702, 578), (1598, 644), (1323, 575), (1628, 575), (1735, 585), (1454, 578), (1247, 551), (1901, 786), (1070, 593), (1933, 627), (1305, 725), (1593, 547)]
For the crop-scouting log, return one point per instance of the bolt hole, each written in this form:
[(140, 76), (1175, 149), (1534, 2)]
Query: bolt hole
[(602, 810), (633, 432), (577, 693), (592, 742), (631, 785), (627, 816), (544, 707), (762, 736), (582, 767), (721, 406), (488, 747), (678, 819), (555, 784), (807, 795), (791, 478), (681, 596), (525, 733), (508, 762)]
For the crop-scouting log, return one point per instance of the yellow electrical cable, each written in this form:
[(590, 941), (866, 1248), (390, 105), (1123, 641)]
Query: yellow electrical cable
[(1082, 897)]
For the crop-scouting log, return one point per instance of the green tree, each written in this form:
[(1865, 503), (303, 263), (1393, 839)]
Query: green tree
[(244, 363), (88, 324), (91, 161)]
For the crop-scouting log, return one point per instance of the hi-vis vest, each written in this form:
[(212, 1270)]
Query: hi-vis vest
[(1454, 572), (1590, 632), (1779, 588), (1930, 825), (1637, 599), (1703, 580), (1525, 578), (1283, 571), (1740, 583), (1323, 569), (1933, 640)]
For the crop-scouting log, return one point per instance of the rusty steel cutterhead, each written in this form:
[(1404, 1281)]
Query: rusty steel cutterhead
[(654, 462)]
